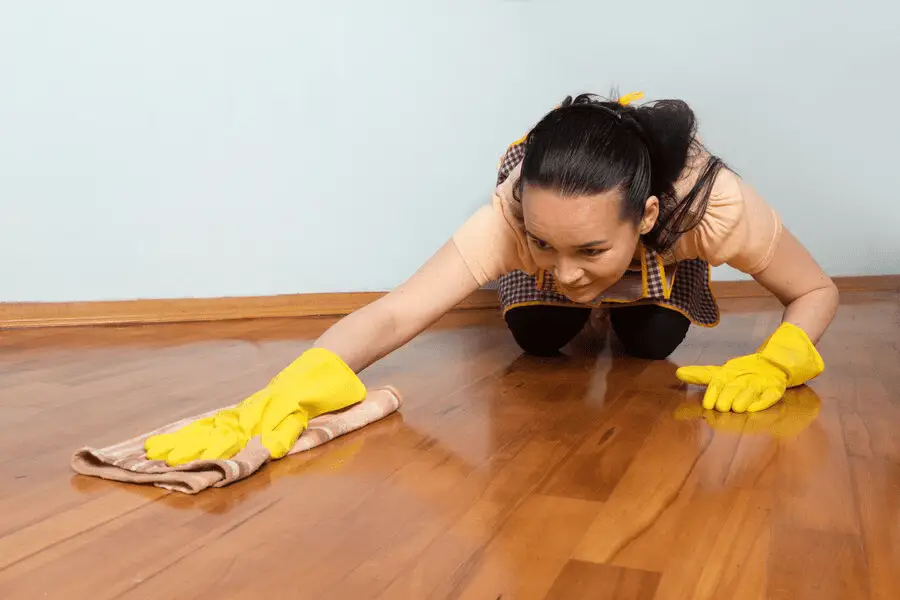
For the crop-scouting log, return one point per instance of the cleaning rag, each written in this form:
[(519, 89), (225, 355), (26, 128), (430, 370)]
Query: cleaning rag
[(127, 461)]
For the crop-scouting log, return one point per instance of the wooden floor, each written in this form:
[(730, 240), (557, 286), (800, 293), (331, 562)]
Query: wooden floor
[(504, 476)]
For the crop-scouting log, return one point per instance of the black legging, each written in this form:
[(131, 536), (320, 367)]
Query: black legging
[(646, 331)]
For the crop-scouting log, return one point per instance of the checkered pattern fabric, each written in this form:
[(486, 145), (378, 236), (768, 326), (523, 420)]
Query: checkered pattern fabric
[(690, 293), (654, 276), (514, 154), (518, 288)]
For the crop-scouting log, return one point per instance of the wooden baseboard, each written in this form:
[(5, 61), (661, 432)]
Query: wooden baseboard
[(15, 315), (129, 312), (858, 283)]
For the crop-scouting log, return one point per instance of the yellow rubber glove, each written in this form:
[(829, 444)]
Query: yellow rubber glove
[(317, 382), (756, 382)]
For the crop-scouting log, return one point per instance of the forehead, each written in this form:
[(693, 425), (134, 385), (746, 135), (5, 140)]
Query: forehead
[(571, 219)]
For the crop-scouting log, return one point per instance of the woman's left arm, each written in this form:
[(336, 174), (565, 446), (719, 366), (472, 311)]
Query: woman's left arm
[(810, 297), (788, 357), (740, 229)]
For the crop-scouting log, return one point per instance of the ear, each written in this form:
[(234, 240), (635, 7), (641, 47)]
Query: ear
[(651, 214)]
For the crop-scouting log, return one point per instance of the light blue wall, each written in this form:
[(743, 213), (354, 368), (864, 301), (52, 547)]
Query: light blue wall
[(200, 148)]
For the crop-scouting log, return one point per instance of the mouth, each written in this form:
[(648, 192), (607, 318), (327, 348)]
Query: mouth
[(578, 287)]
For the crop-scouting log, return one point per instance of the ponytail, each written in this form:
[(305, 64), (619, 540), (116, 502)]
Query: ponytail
[(588, 146)]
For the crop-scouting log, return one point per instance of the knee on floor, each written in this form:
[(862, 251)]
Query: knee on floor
[(544, 330)]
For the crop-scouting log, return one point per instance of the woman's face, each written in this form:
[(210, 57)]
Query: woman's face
[(583, 241)]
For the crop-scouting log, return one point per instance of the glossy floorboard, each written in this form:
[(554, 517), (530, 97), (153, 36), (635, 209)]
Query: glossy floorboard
[(587, 476)]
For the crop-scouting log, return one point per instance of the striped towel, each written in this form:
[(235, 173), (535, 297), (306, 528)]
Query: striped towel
[(127, 462)]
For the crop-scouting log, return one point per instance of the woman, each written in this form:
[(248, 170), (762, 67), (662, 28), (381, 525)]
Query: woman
[(604, 204), (611, 206)]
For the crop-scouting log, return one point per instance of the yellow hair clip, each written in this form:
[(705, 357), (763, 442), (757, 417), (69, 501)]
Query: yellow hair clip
[(629, 98)]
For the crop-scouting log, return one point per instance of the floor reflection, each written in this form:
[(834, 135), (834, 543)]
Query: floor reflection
[(796, 411)]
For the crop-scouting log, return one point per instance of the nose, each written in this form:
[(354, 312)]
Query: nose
[(568, 274)]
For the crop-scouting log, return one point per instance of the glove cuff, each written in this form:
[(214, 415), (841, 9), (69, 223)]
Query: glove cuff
[(312, 359), (322, 378), (790, 349)]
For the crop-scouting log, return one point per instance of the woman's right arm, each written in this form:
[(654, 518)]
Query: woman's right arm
[(374, 331)]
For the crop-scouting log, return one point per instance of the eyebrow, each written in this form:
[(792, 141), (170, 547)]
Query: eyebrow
[(585, 245)]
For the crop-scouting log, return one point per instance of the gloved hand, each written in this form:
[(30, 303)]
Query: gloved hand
[(317, 382), (756, 382)]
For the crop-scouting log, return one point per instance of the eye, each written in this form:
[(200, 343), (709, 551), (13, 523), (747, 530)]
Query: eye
[(592, 252), (539, 244)]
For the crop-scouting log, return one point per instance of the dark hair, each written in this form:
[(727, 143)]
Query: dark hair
[(589, 146)]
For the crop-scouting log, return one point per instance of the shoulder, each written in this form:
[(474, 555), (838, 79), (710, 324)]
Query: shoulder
[(737, 227), (492, 240)]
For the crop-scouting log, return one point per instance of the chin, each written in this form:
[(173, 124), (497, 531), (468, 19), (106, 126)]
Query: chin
[(582, 294), (581, 298)]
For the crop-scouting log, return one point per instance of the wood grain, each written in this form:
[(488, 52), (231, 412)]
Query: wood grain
[(184, 310), (590, 581), (816, 565), (590, 475), (877, 484)]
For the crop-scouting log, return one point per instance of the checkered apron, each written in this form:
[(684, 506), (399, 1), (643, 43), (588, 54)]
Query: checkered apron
[(682, 286)]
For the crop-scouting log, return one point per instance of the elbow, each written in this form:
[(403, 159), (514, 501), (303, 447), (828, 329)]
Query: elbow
[(833, 294), (828, 299), (829, 289)]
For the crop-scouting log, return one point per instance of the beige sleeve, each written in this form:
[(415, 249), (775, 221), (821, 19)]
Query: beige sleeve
[(739, 228), (491, 241)]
